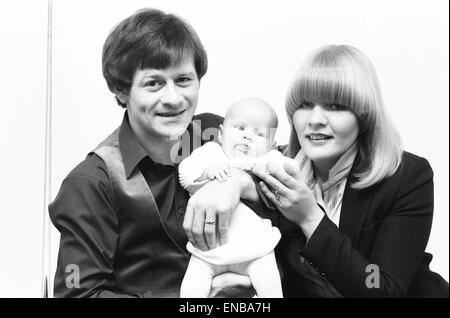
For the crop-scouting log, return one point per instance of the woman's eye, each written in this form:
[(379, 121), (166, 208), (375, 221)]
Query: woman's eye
[(337, 107), (306, 105)]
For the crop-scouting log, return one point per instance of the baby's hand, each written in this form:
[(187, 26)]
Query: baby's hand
[(219, 171), (243, 163)]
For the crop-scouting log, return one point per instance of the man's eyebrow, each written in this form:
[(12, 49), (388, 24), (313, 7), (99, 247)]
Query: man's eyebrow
[(188, 73), (150, 74)]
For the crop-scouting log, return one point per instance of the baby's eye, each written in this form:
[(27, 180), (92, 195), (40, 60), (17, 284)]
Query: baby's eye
[(306, 105), (239, 127), (260, 133)]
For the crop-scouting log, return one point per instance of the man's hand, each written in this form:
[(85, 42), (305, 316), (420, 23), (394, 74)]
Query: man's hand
[(209, 210), (209, 207)]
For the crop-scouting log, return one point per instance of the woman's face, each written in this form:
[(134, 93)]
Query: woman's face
[(325, 132), (162, 102)]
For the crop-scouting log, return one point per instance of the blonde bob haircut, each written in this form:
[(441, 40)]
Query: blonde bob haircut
[(341, 74)]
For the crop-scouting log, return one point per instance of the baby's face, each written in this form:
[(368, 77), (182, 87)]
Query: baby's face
[(247, 133)]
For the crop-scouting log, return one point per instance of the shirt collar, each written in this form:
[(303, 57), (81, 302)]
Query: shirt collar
[(130, 148), (341, 168), (133, 152), (337, 173)]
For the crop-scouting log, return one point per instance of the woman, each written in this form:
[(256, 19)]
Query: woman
[(363, 205)]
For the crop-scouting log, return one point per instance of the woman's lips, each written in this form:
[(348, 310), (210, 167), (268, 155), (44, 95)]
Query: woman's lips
[(318, 136), (318, 139)]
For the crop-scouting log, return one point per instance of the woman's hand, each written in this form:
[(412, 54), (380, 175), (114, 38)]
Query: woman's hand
[(285, 188)]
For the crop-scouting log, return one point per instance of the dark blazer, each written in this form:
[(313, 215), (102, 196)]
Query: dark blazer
[(387, 224)]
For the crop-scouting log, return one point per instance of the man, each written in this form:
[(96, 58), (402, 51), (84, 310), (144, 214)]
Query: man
[(120, 212)]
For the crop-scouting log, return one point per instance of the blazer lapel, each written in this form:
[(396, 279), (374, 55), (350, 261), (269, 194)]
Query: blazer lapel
[(354, 208)]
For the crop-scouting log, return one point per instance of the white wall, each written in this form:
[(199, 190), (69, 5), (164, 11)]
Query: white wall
[(254, 48), (23, 33)]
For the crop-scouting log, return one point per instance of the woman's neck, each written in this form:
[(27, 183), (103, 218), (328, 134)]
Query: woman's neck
[(321, 172)]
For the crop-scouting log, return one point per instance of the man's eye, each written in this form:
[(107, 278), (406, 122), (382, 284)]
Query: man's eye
[(306, 105), (184, 80), (153, 84)]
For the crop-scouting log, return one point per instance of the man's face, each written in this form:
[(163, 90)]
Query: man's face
[(162, 102)]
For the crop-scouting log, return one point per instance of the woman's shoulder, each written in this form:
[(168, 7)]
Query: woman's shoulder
[(414, 172), (413, 164)]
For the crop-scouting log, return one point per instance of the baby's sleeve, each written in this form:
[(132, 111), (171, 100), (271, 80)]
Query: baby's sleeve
[(275, 157), (191, 168)]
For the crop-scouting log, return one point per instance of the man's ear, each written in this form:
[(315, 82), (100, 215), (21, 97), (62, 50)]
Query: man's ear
[(220, 136), (122, 97)]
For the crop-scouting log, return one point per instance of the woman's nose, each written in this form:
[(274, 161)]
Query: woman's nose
[(317, 116), (171, 97)]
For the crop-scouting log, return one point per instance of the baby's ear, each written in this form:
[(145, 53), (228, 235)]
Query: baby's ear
[(220, 137), (274, 145)]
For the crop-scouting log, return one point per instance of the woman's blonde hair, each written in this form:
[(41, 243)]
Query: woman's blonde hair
[(341, 74)]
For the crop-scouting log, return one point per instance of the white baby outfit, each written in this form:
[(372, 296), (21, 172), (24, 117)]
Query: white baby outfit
[(251, 239)]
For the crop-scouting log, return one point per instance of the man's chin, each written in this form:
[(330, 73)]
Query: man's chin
[(176, 132)]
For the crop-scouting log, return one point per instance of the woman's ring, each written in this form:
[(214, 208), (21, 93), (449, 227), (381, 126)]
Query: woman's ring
[(210, 222), (277, 195)]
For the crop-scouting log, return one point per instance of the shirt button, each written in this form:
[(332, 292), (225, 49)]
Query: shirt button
[(180, 211), (323, 274)]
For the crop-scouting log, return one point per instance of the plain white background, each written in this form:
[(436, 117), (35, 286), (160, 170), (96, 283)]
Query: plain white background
[(254, 49)]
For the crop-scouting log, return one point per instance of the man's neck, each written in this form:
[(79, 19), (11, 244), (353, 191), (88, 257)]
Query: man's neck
[(158, 148)]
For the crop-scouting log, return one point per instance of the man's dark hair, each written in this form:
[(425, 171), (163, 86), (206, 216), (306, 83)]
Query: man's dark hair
[(149, 38)]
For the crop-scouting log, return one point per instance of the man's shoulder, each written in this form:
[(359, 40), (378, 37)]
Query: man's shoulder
[(208, 120), (92, 167)]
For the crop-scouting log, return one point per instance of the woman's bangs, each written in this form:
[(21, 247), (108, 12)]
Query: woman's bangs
[(327, 86)]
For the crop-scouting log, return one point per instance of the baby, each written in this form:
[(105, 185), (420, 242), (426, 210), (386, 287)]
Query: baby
[(247, 137)]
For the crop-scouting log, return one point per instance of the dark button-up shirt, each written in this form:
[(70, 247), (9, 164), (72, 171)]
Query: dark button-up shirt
[(84, 213)]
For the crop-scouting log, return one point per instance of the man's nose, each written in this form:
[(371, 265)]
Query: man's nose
[(317, 116), (171, 96)]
